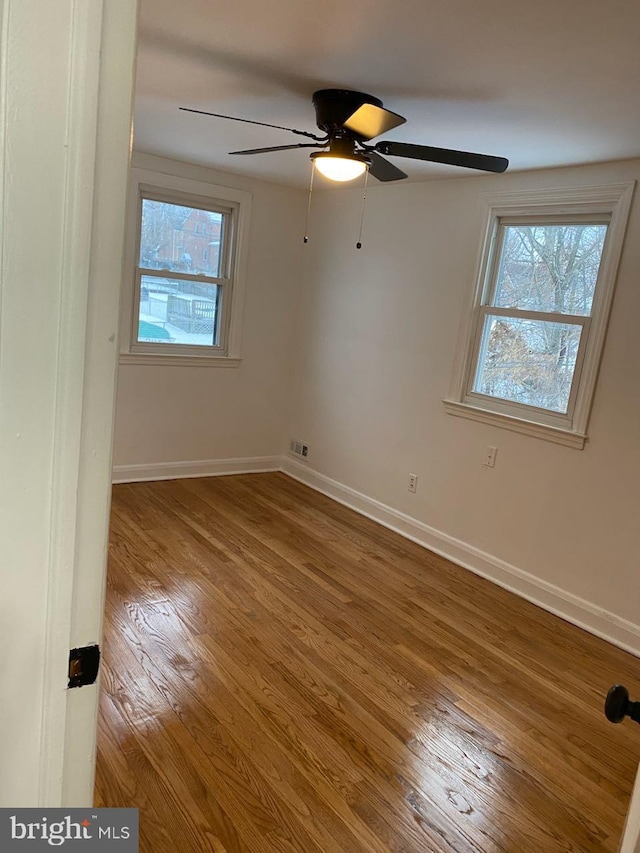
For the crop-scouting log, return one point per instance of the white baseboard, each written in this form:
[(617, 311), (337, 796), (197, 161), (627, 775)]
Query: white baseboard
[(199, 468), (616, 630)]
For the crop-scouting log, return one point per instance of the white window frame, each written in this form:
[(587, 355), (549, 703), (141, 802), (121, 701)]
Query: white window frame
[(236, 206), (600, 204)]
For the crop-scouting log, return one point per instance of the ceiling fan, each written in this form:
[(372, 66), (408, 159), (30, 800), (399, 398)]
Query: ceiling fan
[(349, 120)]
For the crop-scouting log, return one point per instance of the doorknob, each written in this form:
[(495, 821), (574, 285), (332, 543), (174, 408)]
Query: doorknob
[(617, 705)]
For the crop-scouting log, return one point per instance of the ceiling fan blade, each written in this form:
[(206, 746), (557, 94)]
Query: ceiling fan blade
[(484, 162), (279, 148), (249, 121), (383, 170), (369, 121)]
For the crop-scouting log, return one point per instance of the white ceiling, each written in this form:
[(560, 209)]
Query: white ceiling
[(542, 82)]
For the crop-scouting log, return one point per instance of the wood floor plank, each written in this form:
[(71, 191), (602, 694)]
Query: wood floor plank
[(282, 674)]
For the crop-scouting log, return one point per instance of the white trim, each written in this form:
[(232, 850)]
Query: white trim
[(240, 200), (81, 129), (54, 393), (558, 201), (198, 468), (614, 200), (620, 632), (630, 841), (4, 123), (166, 360), (114, 98), (504, 421), (602, 300)]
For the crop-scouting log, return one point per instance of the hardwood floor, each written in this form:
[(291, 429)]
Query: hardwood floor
[(282, 674)]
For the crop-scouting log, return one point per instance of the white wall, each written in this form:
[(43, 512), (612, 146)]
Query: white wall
[(181, 414), (376, 335)]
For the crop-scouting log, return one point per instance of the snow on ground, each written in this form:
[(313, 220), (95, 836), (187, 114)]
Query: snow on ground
[(178, 336)]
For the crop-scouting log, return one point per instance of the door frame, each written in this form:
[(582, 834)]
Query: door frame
[(630, 841), (78, 598), (66, 94)]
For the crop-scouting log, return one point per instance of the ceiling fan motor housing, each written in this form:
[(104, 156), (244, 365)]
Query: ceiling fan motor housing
[(334, 106)]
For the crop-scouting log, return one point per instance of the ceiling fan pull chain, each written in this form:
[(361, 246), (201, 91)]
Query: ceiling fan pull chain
[(306, 227), (364, 200)]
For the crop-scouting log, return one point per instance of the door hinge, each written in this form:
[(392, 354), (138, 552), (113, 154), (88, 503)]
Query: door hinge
[(84, 664)]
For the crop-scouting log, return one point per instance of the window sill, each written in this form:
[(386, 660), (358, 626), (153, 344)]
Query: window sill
[(157, 359), (536, 430)]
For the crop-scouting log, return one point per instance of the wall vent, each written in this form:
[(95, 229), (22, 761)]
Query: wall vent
[(299, 447)]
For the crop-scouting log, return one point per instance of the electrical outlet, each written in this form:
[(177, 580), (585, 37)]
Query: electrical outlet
[(413, 483), (490, 457), (299, 448)]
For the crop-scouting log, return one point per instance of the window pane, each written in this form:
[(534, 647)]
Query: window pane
[(528, 361), (178, 312), (180, 239), (549, 267)]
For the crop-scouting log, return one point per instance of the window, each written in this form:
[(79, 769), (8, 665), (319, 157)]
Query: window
[(186, 257), (535, 332), (180, 299)]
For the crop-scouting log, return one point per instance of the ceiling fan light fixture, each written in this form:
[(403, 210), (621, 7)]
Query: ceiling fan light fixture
[(338, 167)]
